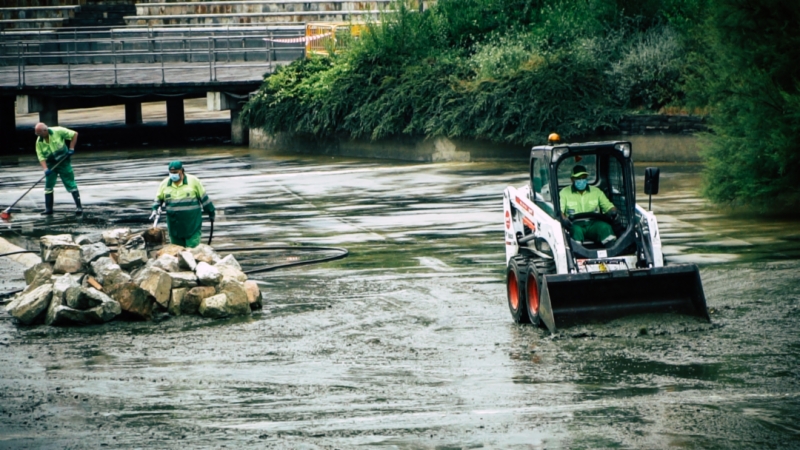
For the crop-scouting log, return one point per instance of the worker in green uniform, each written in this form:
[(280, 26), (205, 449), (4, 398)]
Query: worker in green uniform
[(581, 198), (50, 149), (185, 200)]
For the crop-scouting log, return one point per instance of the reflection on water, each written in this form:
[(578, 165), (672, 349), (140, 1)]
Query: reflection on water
[(408, 342)]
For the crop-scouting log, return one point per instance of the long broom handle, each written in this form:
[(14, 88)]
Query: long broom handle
[(34, 184)]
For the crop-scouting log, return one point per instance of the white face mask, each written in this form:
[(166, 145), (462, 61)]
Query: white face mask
[(175, 177)]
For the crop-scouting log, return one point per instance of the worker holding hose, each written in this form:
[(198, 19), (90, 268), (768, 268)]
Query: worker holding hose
[(581, 198), (54, 156), (185, 200)]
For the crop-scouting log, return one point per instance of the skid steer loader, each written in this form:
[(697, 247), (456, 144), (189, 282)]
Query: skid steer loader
[(554, 280)]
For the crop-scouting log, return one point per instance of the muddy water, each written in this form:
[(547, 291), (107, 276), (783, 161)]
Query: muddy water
[(408, 343)]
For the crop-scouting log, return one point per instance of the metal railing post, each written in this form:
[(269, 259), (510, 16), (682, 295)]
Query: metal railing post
[(20, 82), (69, 67), (114, 53), (271, 50), (210, 72), (162, 64)]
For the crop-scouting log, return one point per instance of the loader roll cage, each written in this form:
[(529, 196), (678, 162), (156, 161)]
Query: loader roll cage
[(610, 169)]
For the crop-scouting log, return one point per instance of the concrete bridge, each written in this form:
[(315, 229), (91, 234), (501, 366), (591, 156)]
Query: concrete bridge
[(47, 72)]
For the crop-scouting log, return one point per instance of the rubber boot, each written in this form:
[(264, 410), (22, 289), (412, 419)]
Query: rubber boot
[(77, 197), (48, 204)]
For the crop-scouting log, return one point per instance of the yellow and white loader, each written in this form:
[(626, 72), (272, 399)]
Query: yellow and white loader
[(554, 280)]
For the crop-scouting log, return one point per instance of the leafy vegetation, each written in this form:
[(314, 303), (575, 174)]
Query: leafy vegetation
[(515, 70), (749, 78)]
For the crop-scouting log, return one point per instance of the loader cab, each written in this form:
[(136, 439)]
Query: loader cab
[(610, 170)]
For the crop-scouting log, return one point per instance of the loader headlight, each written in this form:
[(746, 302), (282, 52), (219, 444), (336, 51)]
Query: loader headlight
[(544, 247), (625, 149)]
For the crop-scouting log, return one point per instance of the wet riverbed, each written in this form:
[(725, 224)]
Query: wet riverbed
[(407, 343)]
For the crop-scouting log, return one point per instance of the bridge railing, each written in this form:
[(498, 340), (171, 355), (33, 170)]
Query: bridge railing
[(70, 57)]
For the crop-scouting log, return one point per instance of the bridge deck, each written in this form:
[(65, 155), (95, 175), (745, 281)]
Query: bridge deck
[(102, 77)]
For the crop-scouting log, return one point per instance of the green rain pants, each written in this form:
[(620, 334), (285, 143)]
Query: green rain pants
[(63, 170), (593, 230), (190, 242)]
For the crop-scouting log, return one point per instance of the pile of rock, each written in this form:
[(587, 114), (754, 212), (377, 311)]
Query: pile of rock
[(96, 278)]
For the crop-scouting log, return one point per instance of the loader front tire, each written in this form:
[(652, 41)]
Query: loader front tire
[(516, 274), (532, 291)]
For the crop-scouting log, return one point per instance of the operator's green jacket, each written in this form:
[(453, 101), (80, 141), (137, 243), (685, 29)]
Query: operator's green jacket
[(50, 151), (592, 200), (185, 205)]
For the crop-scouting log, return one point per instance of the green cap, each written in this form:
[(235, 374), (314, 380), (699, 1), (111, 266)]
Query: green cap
[(579, 171), (177, 165)]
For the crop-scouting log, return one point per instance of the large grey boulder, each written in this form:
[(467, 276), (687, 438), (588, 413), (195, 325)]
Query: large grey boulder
[(91, 252), (229, 260), (86, 299), (133, 253), (205, 253), (112, 237), (254, 297), (28, 307), (237, 303), (36, 269), (192, 300), (170, 249), (183, 279), (64, 315), (106, 311), (167, 263), (113, 280), (214, 306), (175, 301), (88, 239), (135, 301), (65, 290), (207, 275), (52, 245), (43, 275), (68, 261), (157, 283), (230, 269), (103, 267), (186, 260)]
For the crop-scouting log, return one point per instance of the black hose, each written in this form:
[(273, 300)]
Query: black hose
[(18, 252), (10, 293), (343, 252)]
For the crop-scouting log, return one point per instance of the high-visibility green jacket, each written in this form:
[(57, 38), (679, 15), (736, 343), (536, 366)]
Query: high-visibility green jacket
[(185, 205), (52, 150), (591, 200)]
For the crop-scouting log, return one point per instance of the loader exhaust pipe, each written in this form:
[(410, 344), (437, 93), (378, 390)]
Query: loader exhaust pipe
[(588, 297)]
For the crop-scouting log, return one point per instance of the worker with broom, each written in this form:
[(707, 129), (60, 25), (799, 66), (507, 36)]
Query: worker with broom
[(185, 200), (54, 156)]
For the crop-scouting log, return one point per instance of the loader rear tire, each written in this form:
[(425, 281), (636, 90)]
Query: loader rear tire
[(516, 274), (533, 285)]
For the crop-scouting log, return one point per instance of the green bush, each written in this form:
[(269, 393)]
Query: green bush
[(502, 70), (648, 73), (749, 79)]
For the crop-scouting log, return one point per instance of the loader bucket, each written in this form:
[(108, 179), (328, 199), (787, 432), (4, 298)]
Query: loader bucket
[(587, 297)]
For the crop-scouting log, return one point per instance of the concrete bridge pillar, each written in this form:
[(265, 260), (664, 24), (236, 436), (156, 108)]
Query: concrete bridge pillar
[(220, 101), (8, 123), (46, 107), (133, 113), (49, 112), (175, 117)]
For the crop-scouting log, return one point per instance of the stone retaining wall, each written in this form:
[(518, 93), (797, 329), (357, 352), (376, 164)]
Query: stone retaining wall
[(655, 138), (662, 124)]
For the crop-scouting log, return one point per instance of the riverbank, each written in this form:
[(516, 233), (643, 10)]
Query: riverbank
[(650, 147)]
